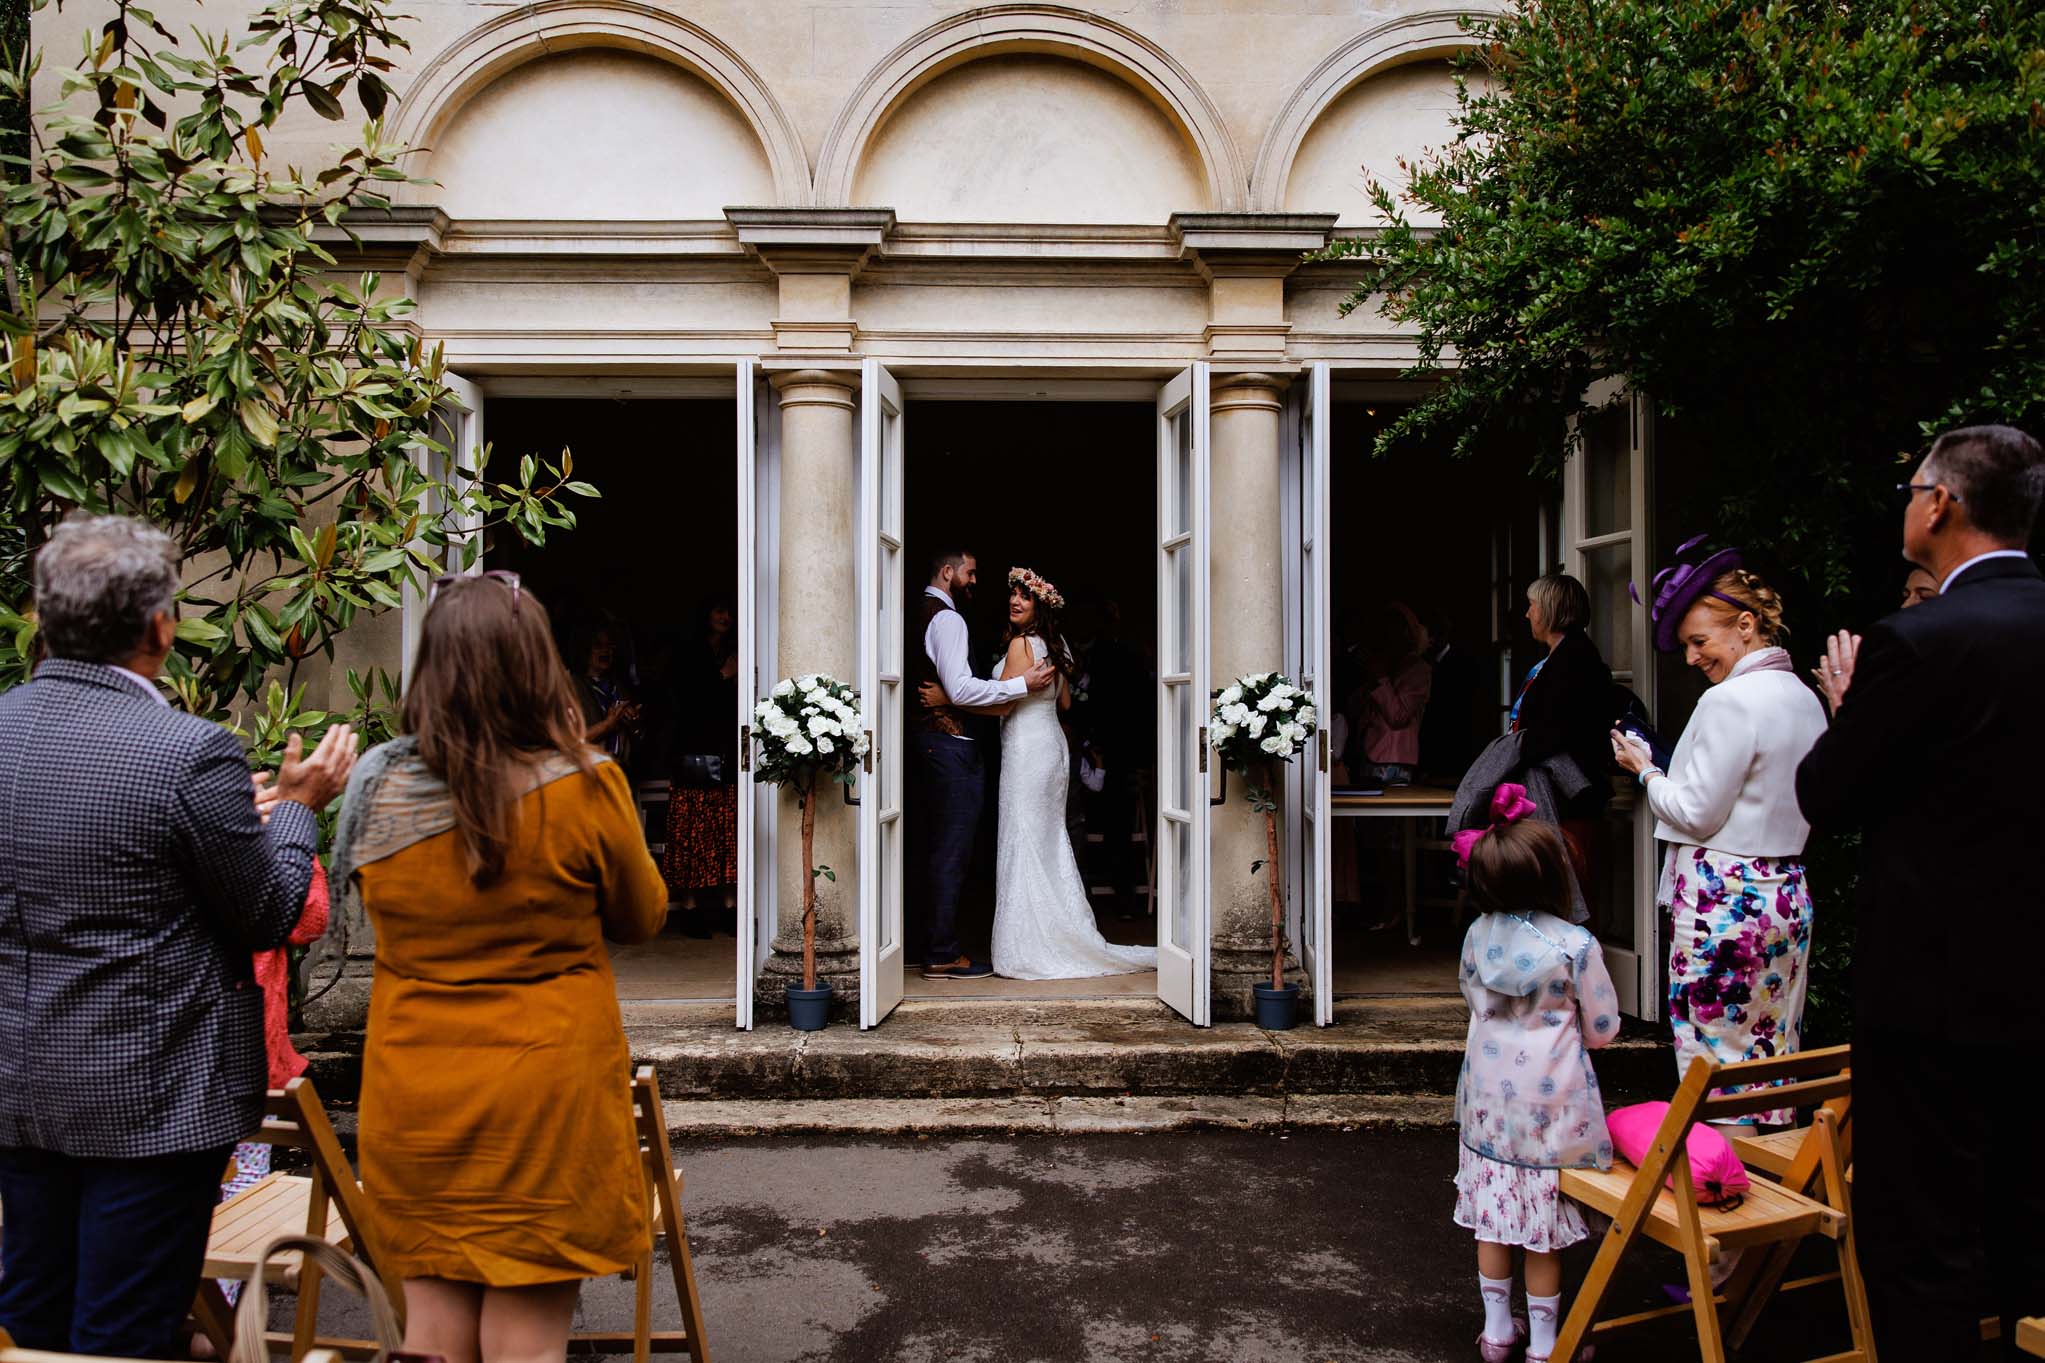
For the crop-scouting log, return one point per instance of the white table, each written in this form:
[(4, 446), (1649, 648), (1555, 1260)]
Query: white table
[(1413, 806)]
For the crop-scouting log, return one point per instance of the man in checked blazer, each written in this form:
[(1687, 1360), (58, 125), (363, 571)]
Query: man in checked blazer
[(136, 879)]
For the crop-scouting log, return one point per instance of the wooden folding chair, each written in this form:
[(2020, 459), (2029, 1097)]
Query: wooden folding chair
[(1640, 1202), (2031, 1335), (329, 1203), (664, 1211)]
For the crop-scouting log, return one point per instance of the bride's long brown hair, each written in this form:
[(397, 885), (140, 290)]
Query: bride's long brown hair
[(488, 698), (1045, 627)]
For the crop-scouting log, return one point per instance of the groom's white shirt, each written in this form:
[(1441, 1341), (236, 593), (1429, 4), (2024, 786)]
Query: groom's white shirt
[(947, 643)]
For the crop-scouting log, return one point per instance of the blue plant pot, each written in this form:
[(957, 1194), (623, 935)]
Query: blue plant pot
[(809, 1009), (1277, 1009)]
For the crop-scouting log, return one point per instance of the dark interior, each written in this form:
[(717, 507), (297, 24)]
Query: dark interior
[(1069, 490)]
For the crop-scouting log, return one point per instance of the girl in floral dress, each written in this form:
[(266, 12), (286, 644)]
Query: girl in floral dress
[(1527, 1103)]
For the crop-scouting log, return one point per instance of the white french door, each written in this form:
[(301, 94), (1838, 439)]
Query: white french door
[(1183, 936), (1308, 806), (1606, 496), (759, 493), (881, 603)]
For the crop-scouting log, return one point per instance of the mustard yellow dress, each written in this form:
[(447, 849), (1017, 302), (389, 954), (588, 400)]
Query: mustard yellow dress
[(496, 1140)]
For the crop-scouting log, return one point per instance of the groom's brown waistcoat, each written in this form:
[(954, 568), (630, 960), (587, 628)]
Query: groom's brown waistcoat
[(921, 718)]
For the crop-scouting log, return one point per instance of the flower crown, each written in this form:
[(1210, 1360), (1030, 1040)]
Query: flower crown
[(1037, 587)]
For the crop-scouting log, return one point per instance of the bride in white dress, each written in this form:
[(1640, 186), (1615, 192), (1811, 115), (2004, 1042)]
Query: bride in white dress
[(1043, 921)]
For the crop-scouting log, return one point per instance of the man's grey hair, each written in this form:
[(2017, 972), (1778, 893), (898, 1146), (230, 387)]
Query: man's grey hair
[(1998, 475), (98, 581)]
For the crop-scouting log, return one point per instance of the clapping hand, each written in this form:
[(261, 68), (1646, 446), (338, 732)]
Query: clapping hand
[(310, 781), (1835, 673)]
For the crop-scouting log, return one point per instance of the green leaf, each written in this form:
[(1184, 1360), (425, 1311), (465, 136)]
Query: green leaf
[(197, 629)]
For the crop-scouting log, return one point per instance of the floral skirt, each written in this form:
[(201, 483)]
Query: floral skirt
[(702, 838), (1739, 942), (1511, 1204)]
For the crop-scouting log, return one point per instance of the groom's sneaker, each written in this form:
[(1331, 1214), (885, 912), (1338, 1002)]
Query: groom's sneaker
[(964, 968)]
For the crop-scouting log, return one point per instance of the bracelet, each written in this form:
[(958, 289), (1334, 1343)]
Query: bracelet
[(1651, 771)]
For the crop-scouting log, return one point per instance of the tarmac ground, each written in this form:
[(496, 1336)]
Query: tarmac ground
[(1213, 1244)]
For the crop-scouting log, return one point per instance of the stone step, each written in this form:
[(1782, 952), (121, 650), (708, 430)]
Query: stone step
[(1043, 1058)]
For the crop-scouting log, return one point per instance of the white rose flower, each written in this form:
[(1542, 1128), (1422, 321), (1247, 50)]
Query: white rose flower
[(1230, 696), (1222, 733), (820, 727), (1307, 715), (823, 745), (1239, 715), (1255, 726), (799, 745), (859, 745), (1274, 745), (784, 687), (1272, 700)]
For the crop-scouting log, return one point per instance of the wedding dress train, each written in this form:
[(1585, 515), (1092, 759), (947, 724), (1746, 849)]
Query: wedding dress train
[(1043, 921)]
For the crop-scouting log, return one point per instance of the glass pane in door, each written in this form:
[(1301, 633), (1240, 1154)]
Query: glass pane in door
[(1607, 572), (1608, 471)]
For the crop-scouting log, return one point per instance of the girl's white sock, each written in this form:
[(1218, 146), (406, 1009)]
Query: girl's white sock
[(1544, 1322), (1497, 1308)]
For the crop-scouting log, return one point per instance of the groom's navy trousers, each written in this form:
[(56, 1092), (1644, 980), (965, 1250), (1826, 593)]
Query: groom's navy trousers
[(951, 788)]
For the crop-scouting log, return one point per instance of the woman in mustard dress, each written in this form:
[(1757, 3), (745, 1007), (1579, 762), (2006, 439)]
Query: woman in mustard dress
[(494, 851)]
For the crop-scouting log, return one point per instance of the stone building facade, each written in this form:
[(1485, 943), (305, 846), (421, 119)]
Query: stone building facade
[(821, 215)]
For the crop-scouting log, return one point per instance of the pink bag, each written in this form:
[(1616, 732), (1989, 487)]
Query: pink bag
[(1714, 1168)]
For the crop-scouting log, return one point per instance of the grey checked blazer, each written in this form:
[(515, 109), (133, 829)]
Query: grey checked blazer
[(135, 883)]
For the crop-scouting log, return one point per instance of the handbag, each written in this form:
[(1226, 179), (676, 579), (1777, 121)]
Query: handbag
[(699, 770), (252, 1316)]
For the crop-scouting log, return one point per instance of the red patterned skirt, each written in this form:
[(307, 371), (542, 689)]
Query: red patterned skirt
[(702, 838)]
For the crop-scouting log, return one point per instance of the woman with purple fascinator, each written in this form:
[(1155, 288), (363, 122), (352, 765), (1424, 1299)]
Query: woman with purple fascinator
[(1733, 883)]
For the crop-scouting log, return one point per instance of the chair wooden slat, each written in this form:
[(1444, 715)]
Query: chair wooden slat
[(2031, 1335), (1772, 1153), (1803, 1093)]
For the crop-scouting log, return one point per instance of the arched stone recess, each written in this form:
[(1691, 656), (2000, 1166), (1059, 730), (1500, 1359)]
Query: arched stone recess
[(1037, 32), (1431, 36), (601, 29)]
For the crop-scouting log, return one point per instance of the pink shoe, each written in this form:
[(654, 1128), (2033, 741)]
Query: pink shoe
[(1494, 1352), (1583, 1355)]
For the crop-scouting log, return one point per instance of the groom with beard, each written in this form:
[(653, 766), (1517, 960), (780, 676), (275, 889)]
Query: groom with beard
[(950, 784)]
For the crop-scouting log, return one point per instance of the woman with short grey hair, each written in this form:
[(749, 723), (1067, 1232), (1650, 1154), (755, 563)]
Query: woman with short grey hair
[(1565, 706)]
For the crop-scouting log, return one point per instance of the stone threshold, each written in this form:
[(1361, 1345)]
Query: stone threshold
[(1052, 1065)]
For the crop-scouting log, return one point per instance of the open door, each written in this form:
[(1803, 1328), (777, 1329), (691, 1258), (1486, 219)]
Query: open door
[(457, 423), (1605, 501), (759, 491), (1183, 936), (1309, 626), (881, 603)]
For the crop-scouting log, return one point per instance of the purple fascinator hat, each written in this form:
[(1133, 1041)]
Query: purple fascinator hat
[(1679, 586)]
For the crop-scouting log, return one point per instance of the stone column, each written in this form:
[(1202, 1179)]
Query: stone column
[(819, 610), (1248, 635)]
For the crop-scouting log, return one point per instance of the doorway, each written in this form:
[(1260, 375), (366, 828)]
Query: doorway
[(648, 566), (1429, 558), (1068, 489)]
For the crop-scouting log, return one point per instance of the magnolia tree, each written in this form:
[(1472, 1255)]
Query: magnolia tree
[(1260, 722), (182, 347), (809, 733)]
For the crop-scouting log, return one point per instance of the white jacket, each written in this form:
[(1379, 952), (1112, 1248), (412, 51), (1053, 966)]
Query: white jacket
[(1731, 785)]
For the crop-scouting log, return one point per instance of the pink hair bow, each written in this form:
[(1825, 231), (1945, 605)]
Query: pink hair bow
[(1509, 804)]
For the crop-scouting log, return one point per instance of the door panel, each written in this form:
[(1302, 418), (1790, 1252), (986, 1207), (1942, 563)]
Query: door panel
[(1183, 977), (1315, 892), (1605, 500), (881, 692), (759, 490)]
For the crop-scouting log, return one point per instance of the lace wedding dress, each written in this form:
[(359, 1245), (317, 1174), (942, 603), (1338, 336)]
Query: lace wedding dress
[(1043, 923)]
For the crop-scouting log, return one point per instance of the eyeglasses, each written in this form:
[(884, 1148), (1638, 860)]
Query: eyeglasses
[(504, 575), (1908, 490)]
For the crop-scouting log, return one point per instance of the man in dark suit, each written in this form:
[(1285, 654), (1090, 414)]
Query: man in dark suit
[(136, 879), (1938, 724)]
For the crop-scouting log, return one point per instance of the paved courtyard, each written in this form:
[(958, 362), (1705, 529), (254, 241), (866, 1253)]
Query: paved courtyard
[(1233, 1245)]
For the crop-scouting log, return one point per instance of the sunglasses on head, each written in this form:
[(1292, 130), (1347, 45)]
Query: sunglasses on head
[(504, 575)]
